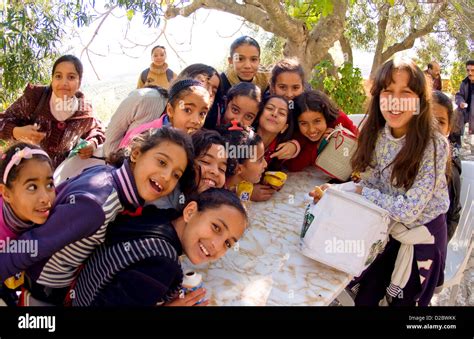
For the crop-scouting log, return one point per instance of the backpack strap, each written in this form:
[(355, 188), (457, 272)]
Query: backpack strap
[(144, 75), (169, 74), (42, 101)]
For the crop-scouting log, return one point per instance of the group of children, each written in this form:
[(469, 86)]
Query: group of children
[(113, 235)]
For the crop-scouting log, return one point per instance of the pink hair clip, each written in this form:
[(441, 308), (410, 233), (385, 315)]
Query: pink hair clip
[(25, 153), (235, 126)]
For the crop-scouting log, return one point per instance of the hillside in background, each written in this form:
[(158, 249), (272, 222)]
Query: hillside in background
[(106, 95)]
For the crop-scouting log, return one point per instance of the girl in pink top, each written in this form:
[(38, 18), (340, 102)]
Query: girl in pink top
[(187, 108)]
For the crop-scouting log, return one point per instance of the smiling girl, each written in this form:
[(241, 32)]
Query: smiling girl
[(288, 79), (210, 159), (316, 116), (246, 153), (274, 124), (27, 189), (244, 61), (158, 74), (54, 117), (187, 107), (86, 204), (141, 254), (402, 159)]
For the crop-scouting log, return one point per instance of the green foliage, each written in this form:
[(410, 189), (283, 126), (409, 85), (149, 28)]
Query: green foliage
[(309, 11), (458, 73), (28, 38), (31, 33), (451, 35), (272, 50), (345, 88), (431, 50)]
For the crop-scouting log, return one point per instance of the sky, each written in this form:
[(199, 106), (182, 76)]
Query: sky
[(204, 37)]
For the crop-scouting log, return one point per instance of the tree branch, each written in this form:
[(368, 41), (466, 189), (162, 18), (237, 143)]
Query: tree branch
[(346, 49), (409, 41), (105, 15), (381, 34), (249, 12), (287, 27), (327, 31), (382, 28)]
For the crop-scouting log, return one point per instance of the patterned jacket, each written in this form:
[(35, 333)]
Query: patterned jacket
[(61, 137)]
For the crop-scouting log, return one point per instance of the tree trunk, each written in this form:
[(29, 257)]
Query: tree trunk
[(383, 55), (346, 49), (310, 47)]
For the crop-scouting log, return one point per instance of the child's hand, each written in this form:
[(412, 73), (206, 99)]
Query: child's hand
[(87, 151), (318, 191), (29, 133), (262, 192), (190, 299), (285, 150)]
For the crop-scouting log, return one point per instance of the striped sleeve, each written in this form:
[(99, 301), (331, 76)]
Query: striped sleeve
[(145, 283), (77, 218)]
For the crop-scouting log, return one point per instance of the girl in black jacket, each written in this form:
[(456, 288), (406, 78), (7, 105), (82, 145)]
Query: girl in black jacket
[(139, 263), (443, 111)]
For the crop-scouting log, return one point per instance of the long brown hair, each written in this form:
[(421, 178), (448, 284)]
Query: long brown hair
[(420, 130)]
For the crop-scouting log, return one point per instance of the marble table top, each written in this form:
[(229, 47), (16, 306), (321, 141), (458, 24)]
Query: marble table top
[(266, 268)]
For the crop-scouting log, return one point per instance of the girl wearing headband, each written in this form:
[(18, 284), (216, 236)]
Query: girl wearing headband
[(26, 196), (187, 107), (27, 189), (85, 205)]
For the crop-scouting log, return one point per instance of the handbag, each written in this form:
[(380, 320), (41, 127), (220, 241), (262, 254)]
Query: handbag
[(335, 153), (344, 230)]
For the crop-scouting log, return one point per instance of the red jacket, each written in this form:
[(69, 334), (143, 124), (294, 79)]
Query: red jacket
[(309, 149)]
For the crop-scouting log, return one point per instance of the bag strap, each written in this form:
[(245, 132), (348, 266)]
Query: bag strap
[(322, 145), (144, 75), (169, 74), (41, 102)]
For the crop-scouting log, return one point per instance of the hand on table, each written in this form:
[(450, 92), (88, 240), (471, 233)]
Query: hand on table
[(28, 133), (190, 299), (262, 192)]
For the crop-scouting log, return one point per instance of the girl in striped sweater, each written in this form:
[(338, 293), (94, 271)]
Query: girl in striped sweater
[(85, 206), (141, 253)]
